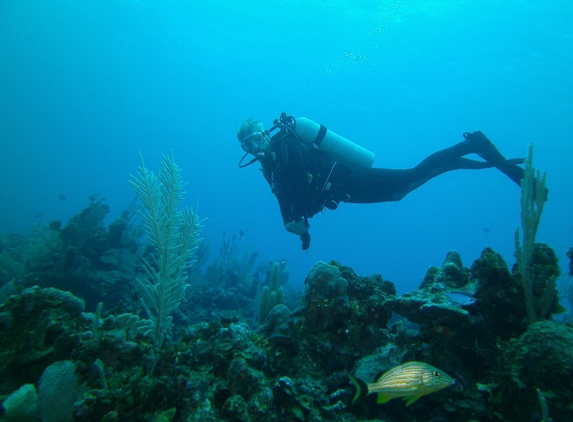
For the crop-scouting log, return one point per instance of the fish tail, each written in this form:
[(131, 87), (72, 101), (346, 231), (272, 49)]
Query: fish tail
[(361, 388)]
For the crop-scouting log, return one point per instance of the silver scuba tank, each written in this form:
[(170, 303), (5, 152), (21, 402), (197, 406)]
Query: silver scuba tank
[(313, 133)]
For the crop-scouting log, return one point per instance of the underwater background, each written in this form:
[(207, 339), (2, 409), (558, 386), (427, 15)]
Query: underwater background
[(85, 87)]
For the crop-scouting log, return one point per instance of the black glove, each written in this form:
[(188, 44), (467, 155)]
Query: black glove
[(305, 239)]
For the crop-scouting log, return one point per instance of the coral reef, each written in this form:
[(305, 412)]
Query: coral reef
[(39, 327), (221, 365), (84, 257)]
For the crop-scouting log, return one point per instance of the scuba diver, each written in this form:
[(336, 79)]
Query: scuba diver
[(310, 168)]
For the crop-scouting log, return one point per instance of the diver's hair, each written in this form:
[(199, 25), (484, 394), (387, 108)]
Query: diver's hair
[(249, 126)]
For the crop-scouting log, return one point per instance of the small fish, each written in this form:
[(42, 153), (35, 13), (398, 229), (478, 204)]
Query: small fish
[(486, 230), (62, 197), (39, 214), (409, 381), (462, 298)]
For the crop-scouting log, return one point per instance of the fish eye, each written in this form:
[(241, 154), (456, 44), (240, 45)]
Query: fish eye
[(436, 374)]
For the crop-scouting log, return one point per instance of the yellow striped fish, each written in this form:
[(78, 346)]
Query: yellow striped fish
[(409, 381)]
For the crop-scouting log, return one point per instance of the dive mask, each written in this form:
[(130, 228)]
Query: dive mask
[(253, 141)]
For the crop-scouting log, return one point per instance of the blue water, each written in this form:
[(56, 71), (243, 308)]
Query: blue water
[(85, 85)]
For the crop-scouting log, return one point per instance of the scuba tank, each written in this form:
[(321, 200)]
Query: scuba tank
[(325, 139), (312, 133)]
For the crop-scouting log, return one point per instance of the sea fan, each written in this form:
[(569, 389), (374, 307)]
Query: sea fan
[(173, 232)]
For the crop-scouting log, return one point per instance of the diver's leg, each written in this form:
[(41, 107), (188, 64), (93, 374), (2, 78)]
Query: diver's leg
[(473, 143), (446, 160), (369, 185), (382, 185)]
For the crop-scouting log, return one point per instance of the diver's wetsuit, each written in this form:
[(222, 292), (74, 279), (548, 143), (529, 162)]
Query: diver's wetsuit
[(305, 179)]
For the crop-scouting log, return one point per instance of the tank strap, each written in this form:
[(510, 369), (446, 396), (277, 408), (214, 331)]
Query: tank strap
[(320, 135)]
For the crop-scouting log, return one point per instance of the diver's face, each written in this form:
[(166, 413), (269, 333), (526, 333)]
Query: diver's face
[(255, 143)]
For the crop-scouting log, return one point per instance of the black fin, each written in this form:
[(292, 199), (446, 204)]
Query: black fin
[(361, 388)]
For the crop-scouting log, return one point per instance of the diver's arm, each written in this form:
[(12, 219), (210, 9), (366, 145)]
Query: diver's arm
[(295, 199), (295, 171), (293, 223)]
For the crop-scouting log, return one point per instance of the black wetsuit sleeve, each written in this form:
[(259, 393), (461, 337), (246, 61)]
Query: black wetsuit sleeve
[(291, 179)]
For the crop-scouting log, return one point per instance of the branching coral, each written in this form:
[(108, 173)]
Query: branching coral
[(173, 232), (533, 196)]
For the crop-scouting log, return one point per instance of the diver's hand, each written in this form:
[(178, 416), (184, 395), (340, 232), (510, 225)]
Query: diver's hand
[(297, 227), (305, 238)]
